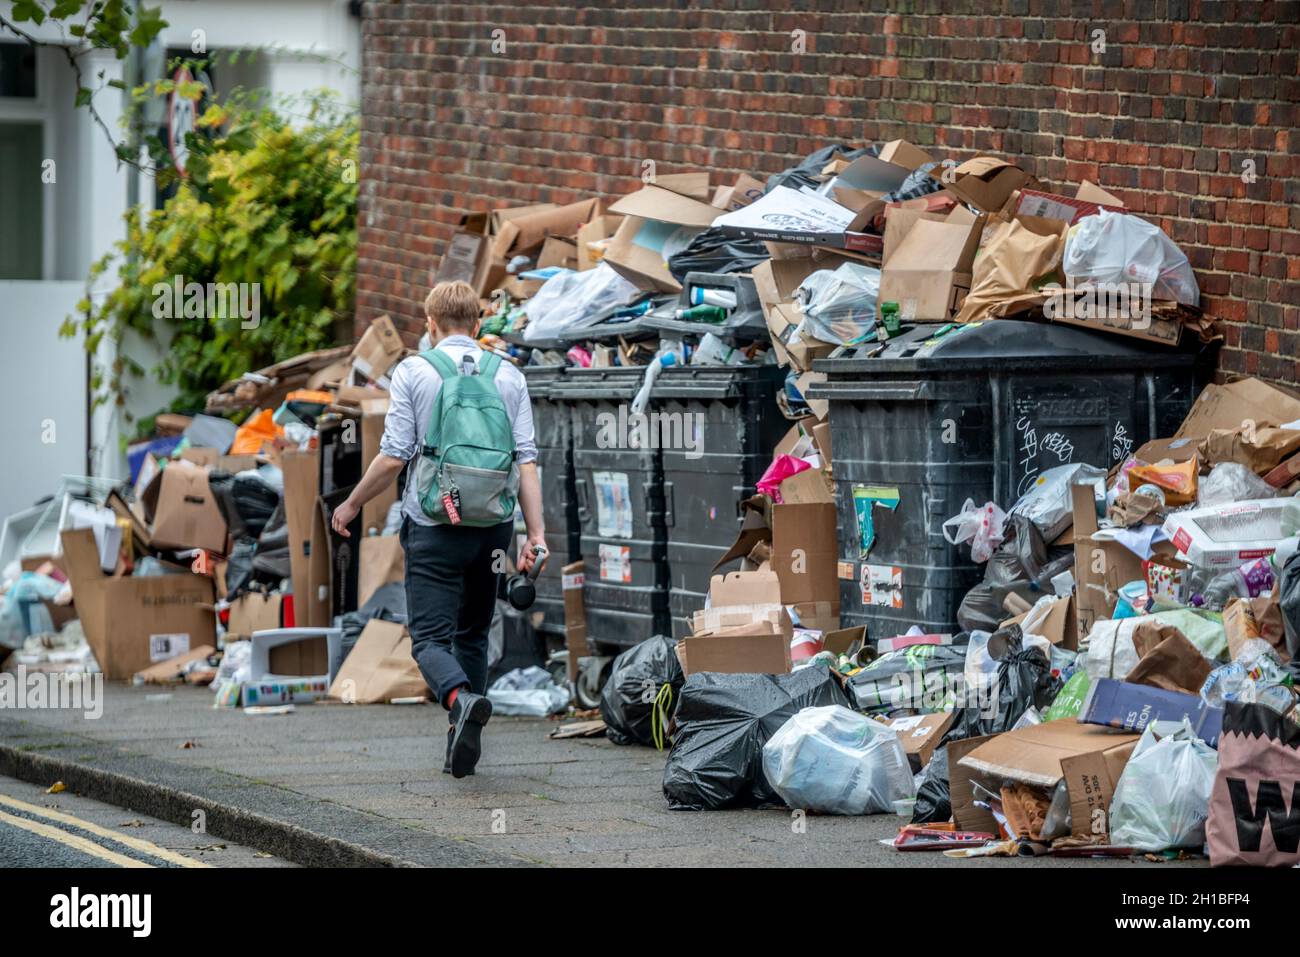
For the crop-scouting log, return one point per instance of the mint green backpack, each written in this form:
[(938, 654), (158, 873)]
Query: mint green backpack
[(466, 472)]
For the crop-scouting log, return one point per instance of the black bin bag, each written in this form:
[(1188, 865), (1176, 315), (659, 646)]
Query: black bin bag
[(634, 691), (722, 723)]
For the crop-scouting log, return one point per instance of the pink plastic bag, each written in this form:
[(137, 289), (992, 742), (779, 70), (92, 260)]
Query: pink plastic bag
[(782, 467), (1253, 815)]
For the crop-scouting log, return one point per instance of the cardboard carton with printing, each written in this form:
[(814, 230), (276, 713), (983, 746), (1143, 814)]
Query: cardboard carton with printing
[(134, 622), (180, 510)]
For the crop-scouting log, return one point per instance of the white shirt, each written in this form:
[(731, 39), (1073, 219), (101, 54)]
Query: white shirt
[(415, 384)]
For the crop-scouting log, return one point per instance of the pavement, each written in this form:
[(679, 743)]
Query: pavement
[(340, 785), (43, 829)]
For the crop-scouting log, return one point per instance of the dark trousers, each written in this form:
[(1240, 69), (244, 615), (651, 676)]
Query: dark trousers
[(451, 590)]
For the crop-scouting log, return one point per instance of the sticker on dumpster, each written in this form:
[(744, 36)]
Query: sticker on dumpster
[(613, 505), (166, 647), (882, 585), (845, 571), (616, 564), (865, 500), (573, 581)]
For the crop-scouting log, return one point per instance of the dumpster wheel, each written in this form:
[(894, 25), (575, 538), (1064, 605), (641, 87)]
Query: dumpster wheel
[(593, 672)]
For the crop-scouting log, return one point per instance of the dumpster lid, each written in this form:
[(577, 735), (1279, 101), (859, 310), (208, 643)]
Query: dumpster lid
[(1002, 340)]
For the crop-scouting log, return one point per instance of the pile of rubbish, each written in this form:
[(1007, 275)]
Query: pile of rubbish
[(214, 563)]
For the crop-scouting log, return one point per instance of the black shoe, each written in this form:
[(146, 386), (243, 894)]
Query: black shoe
[(468, 715), (446, 765)]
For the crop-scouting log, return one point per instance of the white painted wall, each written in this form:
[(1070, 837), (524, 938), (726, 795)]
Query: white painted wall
[(42, 392)]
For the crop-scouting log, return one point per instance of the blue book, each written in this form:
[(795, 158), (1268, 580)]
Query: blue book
[(1131, 707)]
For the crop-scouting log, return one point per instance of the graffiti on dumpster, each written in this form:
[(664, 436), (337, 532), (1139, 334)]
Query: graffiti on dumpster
[(1031, 449)]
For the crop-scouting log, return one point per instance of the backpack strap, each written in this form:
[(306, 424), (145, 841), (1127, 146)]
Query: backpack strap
[(488, 364), (441, 363)]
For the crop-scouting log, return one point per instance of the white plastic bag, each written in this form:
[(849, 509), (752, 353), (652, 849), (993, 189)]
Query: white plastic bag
[(982, 527), (839, 305), (571, 297), (1231, 482), (836, 761), (527, 691), (1119, 249), (1047, 503), (1163, 794)]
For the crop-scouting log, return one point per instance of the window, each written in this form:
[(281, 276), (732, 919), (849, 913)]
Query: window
[(22, 215), (17, 71)]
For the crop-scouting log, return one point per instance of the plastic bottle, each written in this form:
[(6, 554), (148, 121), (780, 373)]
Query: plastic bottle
[(702, 314), (712, 296), (651, 373)]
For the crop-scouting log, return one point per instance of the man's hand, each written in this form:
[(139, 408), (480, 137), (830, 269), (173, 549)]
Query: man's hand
[(528, 557), (343, 516)]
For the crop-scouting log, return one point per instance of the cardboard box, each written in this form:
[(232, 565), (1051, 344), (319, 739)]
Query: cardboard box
[(1090, 760), (132, 623), (984, 182), (1286, 473), (572, 581), (527, 231), (382, 561), (757, 648), (1245, 401), (377, 351), (374, 514), (961, 791), (1131, 707), (929, 272), (254, 611), (675, 199), (1227, 536), (1172, 450), (181, 510), (1088, 201), (920, 734), (465, 258), (170, 671), (1100, 567)]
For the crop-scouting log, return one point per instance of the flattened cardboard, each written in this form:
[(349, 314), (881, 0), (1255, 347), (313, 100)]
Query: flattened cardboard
[(1100, 567), (301, 488), (380, 667), (637, 263), (805, 551), (664, 204), (529, 230), (382, 561), (132, 623), (170, 671), (920, 734), (1033, 754)]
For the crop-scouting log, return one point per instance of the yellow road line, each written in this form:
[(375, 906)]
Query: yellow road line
[(135, 843), (72, 840)]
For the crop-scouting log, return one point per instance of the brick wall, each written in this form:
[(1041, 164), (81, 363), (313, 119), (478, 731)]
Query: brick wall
[(1166, 117)]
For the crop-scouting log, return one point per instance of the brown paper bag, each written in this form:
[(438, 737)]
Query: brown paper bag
[(1260, 450), (1017, 253), (1174, 663), (379, 667)]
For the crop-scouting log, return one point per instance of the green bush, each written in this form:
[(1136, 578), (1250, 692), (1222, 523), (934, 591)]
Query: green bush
[(264, 203)]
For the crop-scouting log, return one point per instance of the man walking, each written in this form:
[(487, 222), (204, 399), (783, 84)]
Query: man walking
[(461, 417)]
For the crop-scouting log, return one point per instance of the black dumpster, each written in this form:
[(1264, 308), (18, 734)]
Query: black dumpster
[(620, 508), (947, 413), (552, 429), (731, 421)]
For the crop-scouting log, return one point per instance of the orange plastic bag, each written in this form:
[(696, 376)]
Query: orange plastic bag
[(255, 434), (1177, 481)]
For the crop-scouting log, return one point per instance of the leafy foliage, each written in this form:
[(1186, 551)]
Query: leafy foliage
[(263, 202)]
